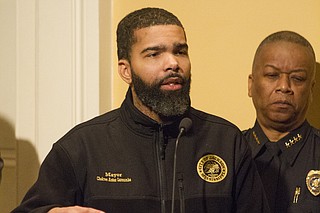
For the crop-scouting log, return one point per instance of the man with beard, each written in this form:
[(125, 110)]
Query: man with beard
[(126, 160), (284, 145)]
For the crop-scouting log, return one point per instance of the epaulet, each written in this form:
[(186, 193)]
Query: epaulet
[(316, 131)]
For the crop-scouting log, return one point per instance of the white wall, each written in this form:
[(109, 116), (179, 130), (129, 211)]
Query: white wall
[(8, 102), (49, 82)]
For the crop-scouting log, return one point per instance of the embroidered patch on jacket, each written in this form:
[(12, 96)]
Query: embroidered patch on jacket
[(313, 182), (113, 177), (212, 168)]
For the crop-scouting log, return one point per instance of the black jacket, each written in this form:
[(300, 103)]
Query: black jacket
[(122, 162)]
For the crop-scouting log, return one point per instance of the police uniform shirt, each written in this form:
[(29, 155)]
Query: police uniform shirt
[(289, 168)]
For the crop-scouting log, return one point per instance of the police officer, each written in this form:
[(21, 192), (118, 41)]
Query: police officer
[(285, 147)]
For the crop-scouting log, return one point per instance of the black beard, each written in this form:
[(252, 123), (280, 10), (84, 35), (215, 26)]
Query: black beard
[(164, 103)]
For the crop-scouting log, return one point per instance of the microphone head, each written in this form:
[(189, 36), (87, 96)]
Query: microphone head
[(185, 124)]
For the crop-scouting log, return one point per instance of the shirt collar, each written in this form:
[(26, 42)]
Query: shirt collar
[(290, 145)]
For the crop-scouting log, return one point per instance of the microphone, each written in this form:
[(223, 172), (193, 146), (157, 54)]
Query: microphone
[(184, 126)]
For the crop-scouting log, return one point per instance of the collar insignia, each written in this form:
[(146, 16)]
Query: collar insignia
[(293, 140), (212, 168), (313, 182), (256, 137)]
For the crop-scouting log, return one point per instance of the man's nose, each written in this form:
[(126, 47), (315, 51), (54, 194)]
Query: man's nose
[(284, 84), (171, 63)]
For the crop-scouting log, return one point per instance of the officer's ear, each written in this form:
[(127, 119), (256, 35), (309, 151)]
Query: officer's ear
[(312, 90), (124, 70), (250, 85)]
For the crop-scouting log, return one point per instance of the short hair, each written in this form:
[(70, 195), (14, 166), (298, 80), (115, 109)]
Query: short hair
[(142, 18), (288, 36)]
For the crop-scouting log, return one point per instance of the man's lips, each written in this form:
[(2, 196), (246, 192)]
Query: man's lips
[(172, 80), (282, 104), (172, 83)]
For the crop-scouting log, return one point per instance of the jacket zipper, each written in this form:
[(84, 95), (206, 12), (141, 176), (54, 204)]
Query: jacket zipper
[(160, 158), (181, 192)]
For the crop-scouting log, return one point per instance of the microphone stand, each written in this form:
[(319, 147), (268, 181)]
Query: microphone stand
[(185, 125), (174, 169)]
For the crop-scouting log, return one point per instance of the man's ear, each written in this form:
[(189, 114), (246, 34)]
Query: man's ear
[(124, 70), (250, 79), (311, 91)]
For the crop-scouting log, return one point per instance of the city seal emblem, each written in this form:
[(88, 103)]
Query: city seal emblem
[(313, 182), (212, 168)]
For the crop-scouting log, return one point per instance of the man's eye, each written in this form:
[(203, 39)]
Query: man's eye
[(182, 52), (272, 75), (152, 55), (298, 78)]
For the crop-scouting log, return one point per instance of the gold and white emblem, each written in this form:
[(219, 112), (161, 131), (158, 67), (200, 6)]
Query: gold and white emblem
[(313, 182), (212, 168)]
